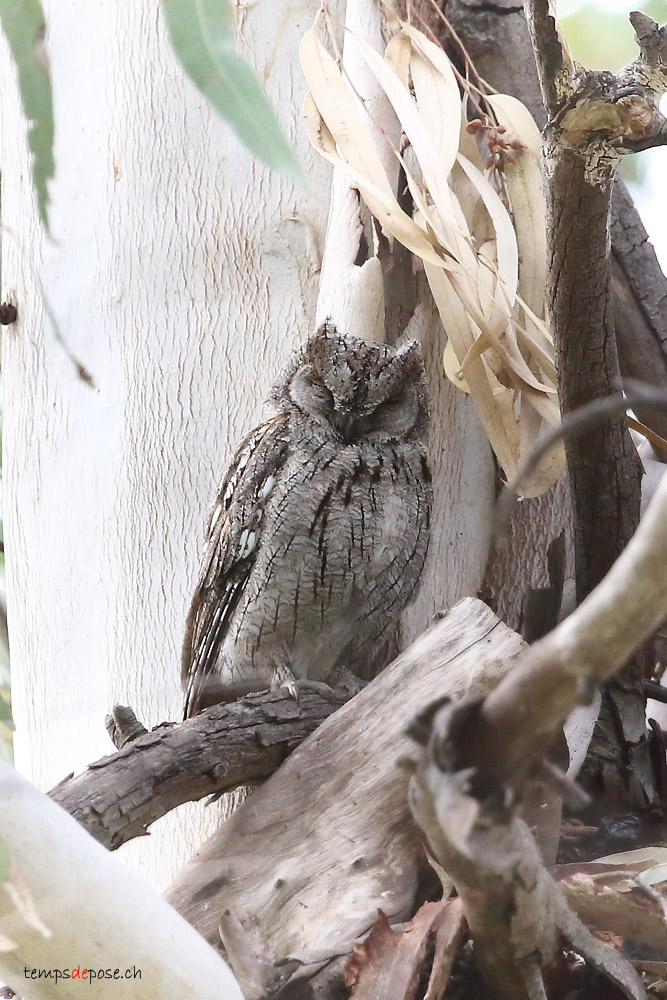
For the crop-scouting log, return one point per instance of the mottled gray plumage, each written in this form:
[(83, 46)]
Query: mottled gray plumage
[(319, 533)]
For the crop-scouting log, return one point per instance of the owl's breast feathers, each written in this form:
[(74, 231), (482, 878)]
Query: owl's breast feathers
[(314, 549)]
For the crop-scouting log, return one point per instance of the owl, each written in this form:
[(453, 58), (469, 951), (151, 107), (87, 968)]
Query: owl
[(319, 532)]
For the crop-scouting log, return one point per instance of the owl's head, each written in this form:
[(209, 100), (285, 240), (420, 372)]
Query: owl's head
[(358, 389)]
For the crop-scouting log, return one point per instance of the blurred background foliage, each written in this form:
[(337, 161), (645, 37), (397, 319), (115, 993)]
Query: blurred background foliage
[(601, 37)]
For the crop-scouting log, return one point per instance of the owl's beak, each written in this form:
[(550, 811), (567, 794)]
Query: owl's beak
[(346, 426)]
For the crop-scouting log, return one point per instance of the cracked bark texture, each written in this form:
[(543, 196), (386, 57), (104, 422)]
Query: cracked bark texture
[(604, 467), (603, 464), (118, 797)]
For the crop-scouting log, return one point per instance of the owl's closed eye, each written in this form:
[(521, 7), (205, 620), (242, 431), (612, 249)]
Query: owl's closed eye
[(381, 400), (310, 394), (395, 417)]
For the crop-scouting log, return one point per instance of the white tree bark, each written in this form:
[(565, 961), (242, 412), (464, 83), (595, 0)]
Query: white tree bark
[(181, 274), (134, 932)]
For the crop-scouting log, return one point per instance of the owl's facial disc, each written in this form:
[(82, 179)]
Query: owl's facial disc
[(359, 389), (387, 411), (308, 392)]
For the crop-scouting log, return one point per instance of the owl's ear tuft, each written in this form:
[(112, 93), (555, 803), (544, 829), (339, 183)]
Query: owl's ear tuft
[(316, 345), (409, 356), (327, 329)]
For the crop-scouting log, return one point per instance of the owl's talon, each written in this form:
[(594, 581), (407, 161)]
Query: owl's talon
[(296, 687), (292, 688), (347, 681)]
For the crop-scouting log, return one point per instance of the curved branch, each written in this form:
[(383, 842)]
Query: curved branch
[(118, 797), (521, 717)]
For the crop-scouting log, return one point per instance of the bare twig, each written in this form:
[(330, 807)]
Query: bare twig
[(655, 691), (554, 65), (587, 418)]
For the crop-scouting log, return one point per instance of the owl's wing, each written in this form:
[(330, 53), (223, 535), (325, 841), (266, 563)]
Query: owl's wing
[(232, 537)]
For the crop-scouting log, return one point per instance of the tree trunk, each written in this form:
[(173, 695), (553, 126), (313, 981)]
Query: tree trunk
[(181, 274)]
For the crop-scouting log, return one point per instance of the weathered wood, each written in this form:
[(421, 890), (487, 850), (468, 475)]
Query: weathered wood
[(478, 748), (305, 863), (517, 915), (118, 797)]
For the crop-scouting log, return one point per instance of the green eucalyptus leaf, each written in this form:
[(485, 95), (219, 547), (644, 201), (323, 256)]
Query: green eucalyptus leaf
[(5, 711), (23, 24), (202, 36)]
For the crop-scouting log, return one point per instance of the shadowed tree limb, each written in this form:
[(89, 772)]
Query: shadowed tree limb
[(639, 294)]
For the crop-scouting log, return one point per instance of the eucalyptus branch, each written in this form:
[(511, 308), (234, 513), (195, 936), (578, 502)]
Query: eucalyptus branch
[(595, 118)]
